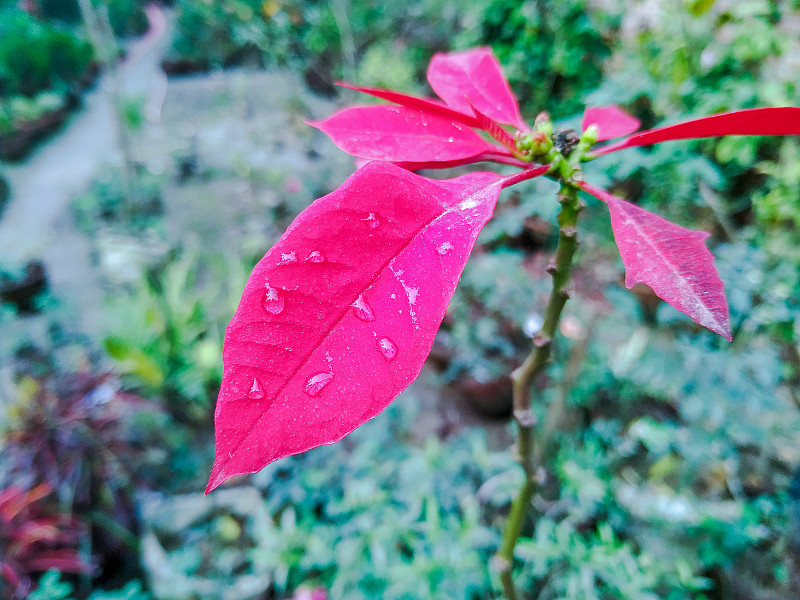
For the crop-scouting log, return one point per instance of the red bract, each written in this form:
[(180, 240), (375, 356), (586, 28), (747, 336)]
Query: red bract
[(339, 316), (399, 134), (611, 121), (32, 541), (755, 121), (474, 78), (673, 261)]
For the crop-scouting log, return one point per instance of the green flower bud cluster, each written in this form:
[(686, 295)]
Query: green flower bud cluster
[(538, 142)]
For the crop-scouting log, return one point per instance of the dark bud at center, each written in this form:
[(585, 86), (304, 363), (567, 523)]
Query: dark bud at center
[(565, 140)]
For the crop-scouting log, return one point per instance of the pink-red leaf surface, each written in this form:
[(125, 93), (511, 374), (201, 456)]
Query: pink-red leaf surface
[(755, 121), (494, 129), (474, 76), (429, 105), (673, 261), (612, 122), (339, 316), (400, 134)]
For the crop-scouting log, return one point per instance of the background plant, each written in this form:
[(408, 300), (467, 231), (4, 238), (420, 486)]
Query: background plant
[(693, 456)]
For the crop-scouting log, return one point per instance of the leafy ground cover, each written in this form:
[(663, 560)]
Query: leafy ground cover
[(676, 474), (47, 60)]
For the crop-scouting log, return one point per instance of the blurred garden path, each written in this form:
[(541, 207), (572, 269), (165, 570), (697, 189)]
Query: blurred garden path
[(36, 223)]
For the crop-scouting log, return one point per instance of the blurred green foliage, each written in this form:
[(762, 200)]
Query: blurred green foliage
[(380, 43), (46, 59), (552, 51), (167, 332), (673, 475), (36, 56), (414, 527)]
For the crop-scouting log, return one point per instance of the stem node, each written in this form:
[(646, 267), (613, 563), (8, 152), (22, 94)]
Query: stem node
[(525, 418)]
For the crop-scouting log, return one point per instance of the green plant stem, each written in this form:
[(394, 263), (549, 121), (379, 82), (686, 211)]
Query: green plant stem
[(524, 376)]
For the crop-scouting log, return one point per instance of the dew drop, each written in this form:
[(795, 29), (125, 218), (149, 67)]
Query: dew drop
[(315, 257), (450, 139), (444, 248), (273, 301), (363, 310), (372, 221), (467, 204), (387, 348), (288, 258), (256, 391), (317, 383)]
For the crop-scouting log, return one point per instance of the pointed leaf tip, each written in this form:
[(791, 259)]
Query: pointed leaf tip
[(474, 76), (672, 260), (755, 121), (323, 341)]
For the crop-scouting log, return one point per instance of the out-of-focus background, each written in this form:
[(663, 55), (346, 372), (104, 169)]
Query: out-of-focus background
[(152, 154)]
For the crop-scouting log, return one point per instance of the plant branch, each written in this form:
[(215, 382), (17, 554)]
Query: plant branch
[(524, 376)]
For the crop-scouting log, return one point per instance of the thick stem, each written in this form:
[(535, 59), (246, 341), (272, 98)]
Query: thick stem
[(524, 376)]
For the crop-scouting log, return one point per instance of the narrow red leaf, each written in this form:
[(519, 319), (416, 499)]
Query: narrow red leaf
[(474, 76), (339, 316), (429, 105), (398, 134), (494, 129), (66, 561), (755, 121), (498, 155), (612, 121), (673, 261)]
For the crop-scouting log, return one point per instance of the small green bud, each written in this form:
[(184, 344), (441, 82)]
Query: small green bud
[(543, 124), (589, 137), (540, 144)]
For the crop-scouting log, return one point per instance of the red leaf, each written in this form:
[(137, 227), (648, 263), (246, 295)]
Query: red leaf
[(673, 261), (612, 122), (66, 561), (494, 129), (399, 134), (474, 76), (428, 105), (755, 121), (339, 316)]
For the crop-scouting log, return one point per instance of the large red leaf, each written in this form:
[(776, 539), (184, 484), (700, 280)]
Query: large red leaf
[(339, 316), (400, 134), (673, 261), (755, 121), (474, 76), (612, 122), (429, 105)]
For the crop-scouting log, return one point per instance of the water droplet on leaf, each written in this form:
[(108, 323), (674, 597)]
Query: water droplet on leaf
[(316, 383), (288, 258), (387, 348), (273, 301), (363, 310), (444, 248), (372, 221), (256, 391), (315, 257)]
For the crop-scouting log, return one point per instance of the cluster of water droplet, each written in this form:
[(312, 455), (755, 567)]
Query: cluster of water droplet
[(274, 302)]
